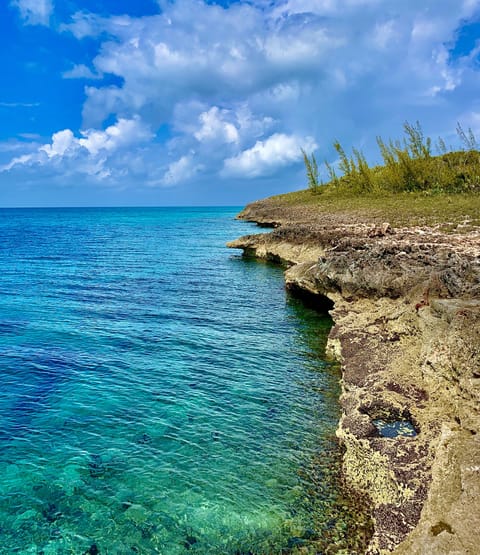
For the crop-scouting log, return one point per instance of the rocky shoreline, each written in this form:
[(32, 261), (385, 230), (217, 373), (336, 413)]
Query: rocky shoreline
[(406, 310)]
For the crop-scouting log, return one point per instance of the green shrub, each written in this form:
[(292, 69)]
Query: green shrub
[(311, 167), (408, 166)]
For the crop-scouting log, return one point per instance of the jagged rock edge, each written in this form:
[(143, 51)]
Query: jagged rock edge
[(369, 461)]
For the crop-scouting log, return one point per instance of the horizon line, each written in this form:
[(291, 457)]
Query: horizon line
[(122, 206)]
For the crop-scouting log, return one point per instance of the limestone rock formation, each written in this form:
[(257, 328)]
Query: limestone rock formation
[(407, 334)]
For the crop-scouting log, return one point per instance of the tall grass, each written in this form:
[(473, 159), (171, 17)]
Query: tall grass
[(408, 166)]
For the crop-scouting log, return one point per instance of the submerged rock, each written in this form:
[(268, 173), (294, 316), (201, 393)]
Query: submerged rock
[(52, 512), (190, 541), (96, 467), (144, 439), (136, 513)]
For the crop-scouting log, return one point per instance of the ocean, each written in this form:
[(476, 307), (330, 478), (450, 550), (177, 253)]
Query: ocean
[(159, 393)]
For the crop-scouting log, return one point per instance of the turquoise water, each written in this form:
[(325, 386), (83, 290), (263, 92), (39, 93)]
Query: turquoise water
[(160, 394)]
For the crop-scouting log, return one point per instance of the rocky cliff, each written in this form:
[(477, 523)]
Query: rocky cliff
[(407, 334)]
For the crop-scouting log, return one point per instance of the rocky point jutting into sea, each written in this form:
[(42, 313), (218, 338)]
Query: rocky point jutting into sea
[(406, 308)]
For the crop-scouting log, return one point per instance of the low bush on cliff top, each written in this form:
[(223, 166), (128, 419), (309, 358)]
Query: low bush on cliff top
[(409, 166)]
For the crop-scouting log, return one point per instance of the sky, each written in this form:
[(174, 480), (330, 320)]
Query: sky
[(187, 102)]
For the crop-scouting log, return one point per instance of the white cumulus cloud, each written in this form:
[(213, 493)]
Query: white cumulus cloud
[(95, 152), (180, 170), (214, 126), (316, 66), (62, 142), (80, 71), (265, 157), (237, 90), (34, 12)]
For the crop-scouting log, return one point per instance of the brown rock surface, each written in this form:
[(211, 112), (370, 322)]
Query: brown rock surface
[(407, 333)]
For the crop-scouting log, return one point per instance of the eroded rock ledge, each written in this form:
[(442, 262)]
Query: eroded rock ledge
[(407, 333)]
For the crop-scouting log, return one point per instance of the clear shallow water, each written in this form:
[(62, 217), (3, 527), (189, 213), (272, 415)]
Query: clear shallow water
[(160, 394), (395, 428)]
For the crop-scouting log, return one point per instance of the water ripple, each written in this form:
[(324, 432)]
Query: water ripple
[(160, 394)]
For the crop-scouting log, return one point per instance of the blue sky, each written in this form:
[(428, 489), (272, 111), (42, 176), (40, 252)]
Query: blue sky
[(115, 102)]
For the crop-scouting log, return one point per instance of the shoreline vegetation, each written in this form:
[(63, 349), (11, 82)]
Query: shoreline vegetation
[(409, 165), (401, 266), (413, 187)]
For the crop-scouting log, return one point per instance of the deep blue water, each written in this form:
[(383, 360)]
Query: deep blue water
[(160, 394)]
